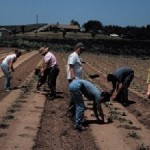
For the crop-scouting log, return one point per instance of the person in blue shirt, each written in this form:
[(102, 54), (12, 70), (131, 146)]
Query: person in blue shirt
[(78, 88), (121, 79)]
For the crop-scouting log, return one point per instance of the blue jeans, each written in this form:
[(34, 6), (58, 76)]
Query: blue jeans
[(7, 76), (79, 103)]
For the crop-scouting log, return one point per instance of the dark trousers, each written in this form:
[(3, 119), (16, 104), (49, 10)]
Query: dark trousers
[(123, 95), (52, 77)]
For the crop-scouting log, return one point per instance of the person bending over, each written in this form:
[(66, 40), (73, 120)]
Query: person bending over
[(78, 88)]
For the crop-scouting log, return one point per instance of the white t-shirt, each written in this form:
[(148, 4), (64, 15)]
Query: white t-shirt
[(8, 59), (75, 60)]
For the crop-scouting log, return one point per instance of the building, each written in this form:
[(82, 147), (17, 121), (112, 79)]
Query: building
[(114, 35), (64, 27), (4, 32)]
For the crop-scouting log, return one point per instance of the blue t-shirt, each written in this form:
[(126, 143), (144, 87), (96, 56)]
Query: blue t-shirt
[(122, 73), (89, 90)]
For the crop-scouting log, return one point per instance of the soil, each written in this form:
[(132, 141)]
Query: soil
[(28, 120)]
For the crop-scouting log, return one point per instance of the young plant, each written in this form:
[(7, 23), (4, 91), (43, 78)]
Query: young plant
[(143, 147), (134, 134)]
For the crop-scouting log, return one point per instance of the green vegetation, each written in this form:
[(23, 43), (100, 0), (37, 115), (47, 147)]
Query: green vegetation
[(143, 147), (25, 90), (133, 134)]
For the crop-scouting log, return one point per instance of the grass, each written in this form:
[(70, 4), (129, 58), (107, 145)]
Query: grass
[(69, 35), (128, 126)]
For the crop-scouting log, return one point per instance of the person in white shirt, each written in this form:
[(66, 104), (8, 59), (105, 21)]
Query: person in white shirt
[(7, 67), (74, 64), (74, 70)]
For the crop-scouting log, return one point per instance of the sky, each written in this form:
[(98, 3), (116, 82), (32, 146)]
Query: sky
[(108, 12)]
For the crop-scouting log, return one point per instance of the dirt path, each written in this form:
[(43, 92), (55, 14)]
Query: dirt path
[(29, 121), (21, 119), (139, 103), (21, 59), (56, 130), (21, 73)]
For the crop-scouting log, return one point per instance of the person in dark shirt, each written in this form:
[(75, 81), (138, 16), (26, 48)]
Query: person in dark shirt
[(121, 79)]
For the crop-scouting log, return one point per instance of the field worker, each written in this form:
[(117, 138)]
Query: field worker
[(121, 79), (148, 84), (91, 92), (7, 67), (51, 67), (74, 68)]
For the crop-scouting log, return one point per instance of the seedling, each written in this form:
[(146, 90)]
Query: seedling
[(128, 126), (4, 125), (3, 134), (134, 134), (8, 117), (143, 147)]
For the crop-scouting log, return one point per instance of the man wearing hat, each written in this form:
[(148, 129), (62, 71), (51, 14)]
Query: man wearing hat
[(50, 67), (74, 68)]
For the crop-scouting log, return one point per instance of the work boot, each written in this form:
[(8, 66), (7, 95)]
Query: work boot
[(125, 103), (80, 128), (51, 96)]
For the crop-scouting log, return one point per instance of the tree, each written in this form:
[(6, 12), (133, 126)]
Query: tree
[(22, 29), (93, 26), (93, 34), (64, 33), (73, 22)]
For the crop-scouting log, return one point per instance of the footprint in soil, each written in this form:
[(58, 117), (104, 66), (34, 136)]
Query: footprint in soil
[(30, 128), (25, 135)]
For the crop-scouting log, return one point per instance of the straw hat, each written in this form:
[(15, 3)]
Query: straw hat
[(43, 50)]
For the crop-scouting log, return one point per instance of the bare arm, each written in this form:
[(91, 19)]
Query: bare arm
[(44, 66), (148, 91), (98, 111), (95, 110), (11, 64), (120, 86), (113, 88), (148, 84), (72, 72)]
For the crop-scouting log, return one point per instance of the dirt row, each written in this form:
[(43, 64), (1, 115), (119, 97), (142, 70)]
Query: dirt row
[(20, 74), (119, 131), (139, 104), (55, 129), (43, 124)]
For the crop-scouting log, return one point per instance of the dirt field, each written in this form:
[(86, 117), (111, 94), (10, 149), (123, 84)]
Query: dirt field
[(29, 121)]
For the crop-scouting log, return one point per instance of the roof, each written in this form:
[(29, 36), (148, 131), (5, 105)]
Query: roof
[(3, 29), (65, 26)]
